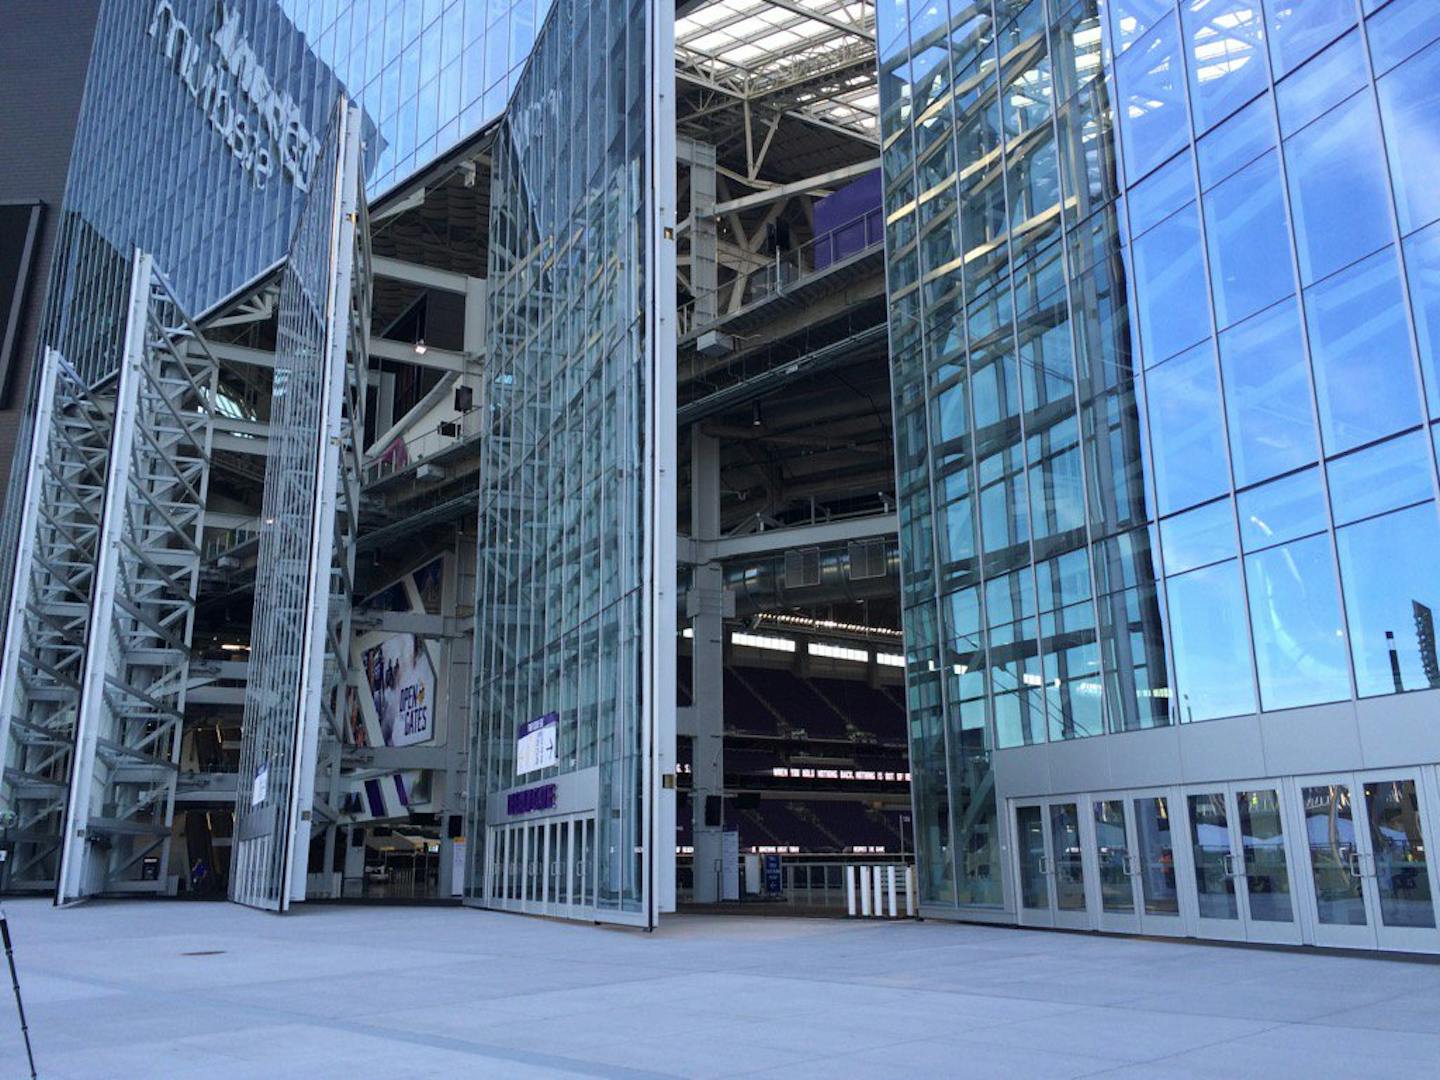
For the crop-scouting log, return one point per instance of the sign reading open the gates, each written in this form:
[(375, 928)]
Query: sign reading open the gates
[(537, 743)]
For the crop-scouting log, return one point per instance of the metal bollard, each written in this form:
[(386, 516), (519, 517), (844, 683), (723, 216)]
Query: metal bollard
[(850, 873), (910, 892), (890, 875), (865, 896)]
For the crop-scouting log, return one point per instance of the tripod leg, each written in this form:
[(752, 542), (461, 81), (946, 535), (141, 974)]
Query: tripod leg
[(15, 982)]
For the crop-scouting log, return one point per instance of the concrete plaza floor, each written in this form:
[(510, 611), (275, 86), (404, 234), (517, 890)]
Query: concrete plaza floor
[(156, 989)]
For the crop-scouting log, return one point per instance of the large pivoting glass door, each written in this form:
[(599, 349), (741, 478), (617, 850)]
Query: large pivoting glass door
[(575, 591)]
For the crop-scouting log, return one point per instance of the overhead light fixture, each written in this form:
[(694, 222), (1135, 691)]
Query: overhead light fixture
[(756, 420), (420, 347)]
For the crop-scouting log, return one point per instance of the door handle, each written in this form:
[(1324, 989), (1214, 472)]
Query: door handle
[(1229, 862), (1044, 864), (1128, 865), (1357, 867)]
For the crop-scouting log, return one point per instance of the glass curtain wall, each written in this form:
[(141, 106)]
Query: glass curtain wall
[(568, 592), (201, 126), (1165, 283)]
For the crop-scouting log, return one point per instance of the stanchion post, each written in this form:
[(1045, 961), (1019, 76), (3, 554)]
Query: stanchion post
[(910, 892), (890, 883), (865, 897), (850, 890)]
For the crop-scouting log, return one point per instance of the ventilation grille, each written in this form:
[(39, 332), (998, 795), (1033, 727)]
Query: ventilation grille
[(802, 568), (867, 559)]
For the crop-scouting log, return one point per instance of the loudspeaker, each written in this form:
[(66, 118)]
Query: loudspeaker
[(457, 828), (714, 812)]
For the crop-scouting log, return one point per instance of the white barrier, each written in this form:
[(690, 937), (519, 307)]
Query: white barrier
[(874, 891)]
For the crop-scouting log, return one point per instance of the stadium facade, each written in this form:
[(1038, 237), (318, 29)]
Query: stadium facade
[(384, 345)]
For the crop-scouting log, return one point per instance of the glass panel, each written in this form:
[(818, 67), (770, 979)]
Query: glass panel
[(1267, 394), (1212, 653), (1113, 849), (1364, 374), (1170, 286), (1392, 590), (1198, 537), (1334, 859), (1321, 84), (1382, 477), (1236, 142), (1338, 191), (1402, 876), (1162, 193), (1152, 99), (1131, 18), (1069, 859), (1399, 29), (1422, 267), (1223, 39), (1030, 835), (1262, 836), (1295, 616), (1249, 243), (1300, 28), (1210, 841), (1157, 856), (1187, 436), (1284, 509), (1409, 108)]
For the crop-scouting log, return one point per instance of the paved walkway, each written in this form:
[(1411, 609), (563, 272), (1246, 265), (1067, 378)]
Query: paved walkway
[(156, 989)]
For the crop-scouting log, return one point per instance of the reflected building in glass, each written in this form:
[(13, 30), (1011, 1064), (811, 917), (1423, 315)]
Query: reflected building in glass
[(1165, 288)]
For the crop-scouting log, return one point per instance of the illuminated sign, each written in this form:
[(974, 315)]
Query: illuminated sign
[(530, 800), (259, 123)]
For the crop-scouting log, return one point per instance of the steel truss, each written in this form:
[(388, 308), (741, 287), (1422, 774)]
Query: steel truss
[(304, 583), (103, 607)]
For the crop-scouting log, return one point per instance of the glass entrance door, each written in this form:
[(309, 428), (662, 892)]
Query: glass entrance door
[(1050, 844), (1241, 870), (1371, 882), (1134, 865)]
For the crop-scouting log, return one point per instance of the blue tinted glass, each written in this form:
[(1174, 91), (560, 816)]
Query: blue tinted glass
[(1364, 375), (1410, 112), (1299, 635), (1161, 193), (1236, 142), (1392, 592), (1337, 188), (1422, 268), (1131, 18), (1399, 29), (1170, 290), (1186, 434), (1223, 42), (1152, 99), (1212, 650), (1267, 394), (1321, 84), (1250, 265), (1198, 537), (1301, 28), (1281, 510), (1382, 477)]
